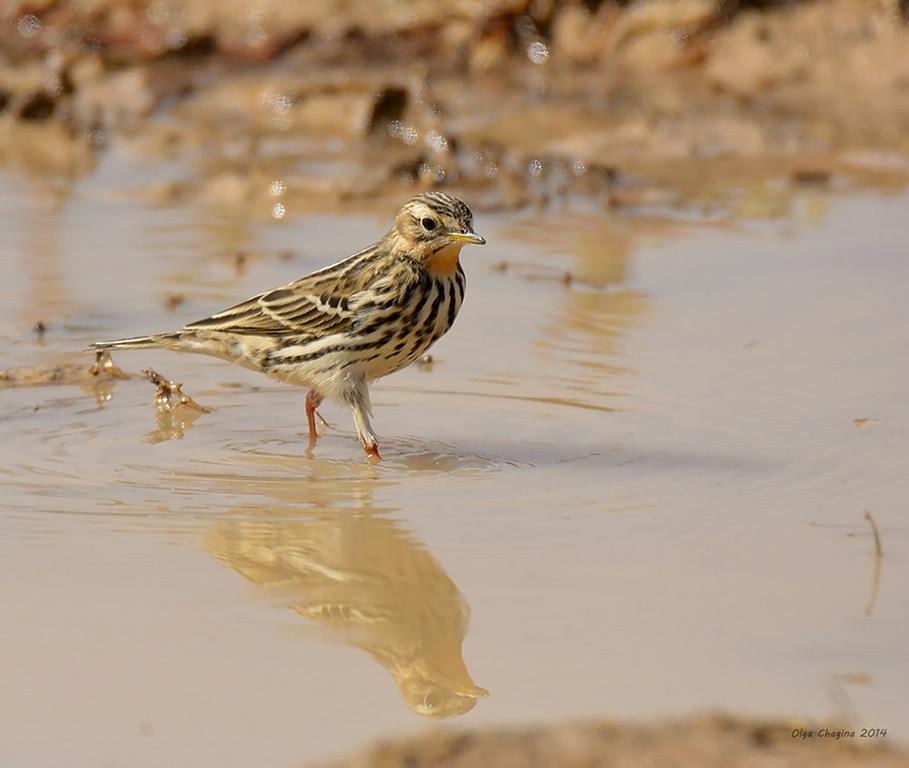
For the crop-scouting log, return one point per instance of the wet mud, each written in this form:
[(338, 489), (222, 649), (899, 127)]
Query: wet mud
[(708, 742)]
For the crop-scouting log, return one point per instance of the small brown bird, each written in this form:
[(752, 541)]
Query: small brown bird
[(339, 328)]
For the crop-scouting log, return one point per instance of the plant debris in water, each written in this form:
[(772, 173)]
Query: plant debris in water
[(170, 395)]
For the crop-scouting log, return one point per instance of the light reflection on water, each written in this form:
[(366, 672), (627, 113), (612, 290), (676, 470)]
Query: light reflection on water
[(366, 581)]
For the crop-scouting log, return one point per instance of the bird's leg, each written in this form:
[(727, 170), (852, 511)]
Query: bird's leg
[(357, 396), (313, 401), (372, 452)]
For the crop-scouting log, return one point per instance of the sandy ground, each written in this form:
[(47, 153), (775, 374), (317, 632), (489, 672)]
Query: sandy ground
[(715, 742)]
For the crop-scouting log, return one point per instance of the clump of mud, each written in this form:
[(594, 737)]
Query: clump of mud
[(281, 106), (713, 742), (175, 411), (101, 371)]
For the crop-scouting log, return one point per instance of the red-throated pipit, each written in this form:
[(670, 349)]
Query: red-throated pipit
[(338, 329)]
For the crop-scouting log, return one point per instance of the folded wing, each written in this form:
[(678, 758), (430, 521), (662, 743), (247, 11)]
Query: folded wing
[(307, 308)]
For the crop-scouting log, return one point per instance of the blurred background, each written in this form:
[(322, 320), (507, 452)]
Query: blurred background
[(514, 103), (622, 516)]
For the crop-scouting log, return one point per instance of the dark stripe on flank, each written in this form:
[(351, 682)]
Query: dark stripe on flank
[(409, 295), (418, 344), (390, 319), (409, 322), (452, 304), (330, 350), (439, 285)]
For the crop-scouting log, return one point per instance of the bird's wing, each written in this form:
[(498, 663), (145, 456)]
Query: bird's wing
[(308, 307)]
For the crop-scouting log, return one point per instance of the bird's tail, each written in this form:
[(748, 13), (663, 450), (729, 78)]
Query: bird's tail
[(137, 342)]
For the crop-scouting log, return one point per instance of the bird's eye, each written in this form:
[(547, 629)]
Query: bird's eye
[(428, 224)]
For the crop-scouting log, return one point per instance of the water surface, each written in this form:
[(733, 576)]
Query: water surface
[(635, 492)]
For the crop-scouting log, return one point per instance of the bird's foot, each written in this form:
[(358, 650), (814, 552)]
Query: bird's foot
[(313, 401), (372, 453)]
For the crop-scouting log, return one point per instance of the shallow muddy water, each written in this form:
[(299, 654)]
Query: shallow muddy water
[(645, 485)]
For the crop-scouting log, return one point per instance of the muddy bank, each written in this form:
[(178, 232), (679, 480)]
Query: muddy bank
[(629, 105), (711, 742)]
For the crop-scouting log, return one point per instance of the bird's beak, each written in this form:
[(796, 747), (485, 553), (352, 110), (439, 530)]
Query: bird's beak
[(467, 237)]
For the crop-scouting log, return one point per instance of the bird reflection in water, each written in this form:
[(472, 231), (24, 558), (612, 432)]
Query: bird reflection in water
[(372, 585)]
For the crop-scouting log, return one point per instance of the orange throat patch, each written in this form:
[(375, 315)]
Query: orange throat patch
[(444, 262)]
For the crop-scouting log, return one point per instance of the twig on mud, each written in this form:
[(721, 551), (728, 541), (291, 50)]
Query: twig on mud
[(878, 551), (878, 555), (170, 394)]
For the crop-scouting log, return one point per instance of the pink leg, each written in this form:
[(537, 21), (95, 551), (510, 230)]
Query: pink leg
[(313, 401)]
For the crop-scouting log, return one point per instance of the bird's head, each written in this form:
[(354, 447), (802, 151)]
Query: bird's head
[(433, 227)]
